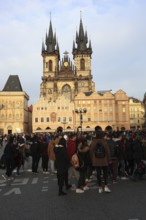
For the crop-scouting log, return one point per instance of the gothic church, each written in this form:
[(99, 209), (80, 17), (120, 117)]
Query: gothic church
[(67, 87)]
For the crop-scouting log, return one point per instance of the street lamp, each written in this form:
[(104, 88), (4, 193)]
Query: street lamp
[(81, 111)]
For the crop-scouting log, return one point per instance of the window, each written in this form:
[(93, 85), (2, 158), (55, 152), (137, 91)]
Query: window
[(100, 118), (17, 116), (123, 110), (89, 119), (124, 117), (106, 118), (95, 102), (70, 119), (95, 118), (47, 119), (95, 109), (64, 119), (110, 117), (42, 119), (66, 91), (110, 109), (82, 64), (36, 119), (50, 65), (59, 119)]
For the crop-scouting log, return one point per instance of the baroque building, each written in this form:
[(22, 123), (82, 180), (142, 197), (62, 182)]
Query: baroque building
[(15, 116), (136, 109), (68, 100), (144, 103)]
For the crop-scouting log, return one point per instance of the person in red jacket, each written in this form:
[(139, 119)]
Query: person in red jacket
[(71, 149)]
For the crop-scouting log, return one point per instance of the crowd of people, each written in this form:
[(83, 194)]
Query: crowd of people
[(110, 155)]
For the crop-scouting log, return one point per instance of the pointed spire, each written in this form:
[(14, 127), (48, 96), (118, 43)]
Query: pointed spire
[(90, 46), (43, 47), (86, 37), (51, 42), (46, 38), (77, 37), (50, 33), (81, 37), (81, 31), (54, 38), (57, 46), (73, 44), (81, 40)]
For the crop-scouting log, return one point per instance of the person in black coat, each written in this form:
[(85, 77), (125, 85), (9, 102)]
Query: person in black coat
[(138, 153), (44, 155), (62, 164), (9, 153), (35, 153)]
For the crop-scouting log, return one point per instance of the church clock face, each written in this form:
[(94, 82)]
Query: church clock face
[(66, 64)]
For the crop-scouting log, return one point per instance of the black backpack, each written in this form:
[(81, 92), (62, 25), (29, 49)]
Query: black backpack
[(99, 150)]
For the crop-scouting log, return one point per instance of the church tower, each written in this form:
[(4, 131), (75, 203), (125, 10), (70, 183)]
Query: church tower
[(82, 60), (51, 57)]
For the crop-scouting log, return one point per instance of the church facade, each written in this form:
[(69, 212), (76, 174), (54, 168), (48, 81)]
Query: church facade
[(68, 99)]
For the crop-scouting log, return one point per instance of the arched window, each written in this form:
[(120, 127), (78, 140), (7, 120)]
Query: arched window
[(66, 91), (50, 65), (82, 64)]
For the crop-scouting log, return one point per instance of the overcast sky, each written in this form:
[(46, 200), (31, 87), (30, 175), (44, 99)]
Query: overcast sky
[(117, 29)]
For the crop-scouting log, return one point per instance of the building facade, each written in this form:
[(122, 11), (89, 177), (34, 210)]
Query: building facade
[(144, 103), (68, 100), (136, 109), (15, 117)]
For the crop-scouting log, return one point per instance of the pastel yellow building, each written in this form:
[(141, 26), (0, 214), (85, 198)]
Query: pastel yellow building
[(68, 100), (137, 111), (15, 116)]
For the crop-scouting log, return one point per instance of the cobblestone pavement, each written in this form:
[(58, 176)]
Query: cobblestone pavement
[(35, 197)]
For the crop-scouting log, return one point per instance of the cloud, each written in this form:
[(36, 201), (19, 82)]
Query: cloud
[(116, 29)]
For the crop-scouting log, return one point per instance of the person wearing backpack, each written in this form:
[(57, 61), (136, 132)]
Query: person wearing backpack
[(100, 157)]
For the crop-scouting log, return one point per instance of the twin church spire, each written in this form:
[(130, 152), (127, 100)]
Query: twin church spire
[(51, 45), (81, 40)]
